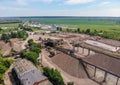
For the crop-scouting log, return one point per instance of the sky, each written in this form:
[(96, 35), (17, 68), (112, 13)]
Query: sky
[(59, 8)]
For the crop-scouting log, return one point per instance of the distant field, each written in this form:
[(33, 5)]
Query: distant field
[(77, 21), (108, 26), (10, 25), (110, 31), (111, 25)]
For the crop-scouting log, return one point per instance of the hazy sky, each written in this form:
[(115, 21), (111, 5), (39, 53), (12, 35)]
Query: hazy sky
[(59, 8)]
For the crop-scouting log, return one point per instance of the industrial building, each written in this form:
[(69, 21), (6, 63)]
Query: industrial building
[(28, 74)]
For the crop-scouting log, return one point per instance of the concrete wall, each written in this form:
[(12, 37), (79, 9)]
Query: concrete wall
[(83, 51), (119, 81), (110, 80), (99, 76), (80, 50)]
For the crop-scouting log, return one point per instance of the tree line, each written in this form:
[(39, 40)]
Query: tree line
[(16, 34), (104, 34)]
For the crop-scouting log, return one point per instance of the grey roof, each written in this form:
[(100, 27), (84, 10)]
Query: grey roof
[(32, 77), (22, 66), (27, 72)]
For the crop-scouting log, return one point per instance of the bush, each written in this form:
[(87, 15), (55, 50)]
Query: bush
[(5, 37), (54, 76), (4, 65), (34, 47), (70, 83), (31, 42), (32, 56)]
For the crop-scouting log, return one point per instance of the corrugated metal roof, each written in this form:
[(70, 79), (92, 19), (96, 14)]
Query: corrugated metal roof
[(31, 77), (27, 72)]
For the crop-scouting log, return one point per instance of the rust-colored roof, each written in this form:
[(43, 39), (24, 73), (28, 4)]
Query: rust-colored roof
[(69, 65), (104, 62)]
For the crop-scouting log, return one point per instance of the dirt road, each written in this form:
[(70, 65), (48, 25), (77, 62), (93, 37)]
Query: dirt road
[(7, 77)]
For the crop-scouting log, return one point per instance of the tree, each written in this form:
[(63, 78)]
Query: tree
[(95, 31), (4, 65), (87, 31), (35, 49), (59, 29), (68, 30), (0, 29), (54, 76), (20, 26), (32, 56), (7, 63), (22, 34), (31, 42), (5, 37), (78, 30), (70, 83), (14, 35), (17, 34)]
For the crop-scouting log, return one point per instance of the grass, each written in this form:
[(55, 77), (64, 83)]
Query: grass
[(108, 28)]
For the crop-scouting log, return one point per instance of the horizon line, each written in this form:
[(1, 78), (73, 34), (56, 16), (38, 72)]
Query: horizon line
[(52, 16)]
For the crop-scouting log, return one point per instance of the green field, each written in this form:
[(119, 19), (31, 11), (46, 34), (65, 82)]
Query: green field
[(110, 31), (10, 25), (77, 21), (108, 28)]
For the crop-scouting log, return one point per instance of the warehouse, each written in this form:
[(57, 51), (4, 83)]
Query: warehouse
[(28, 74)]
